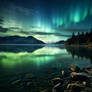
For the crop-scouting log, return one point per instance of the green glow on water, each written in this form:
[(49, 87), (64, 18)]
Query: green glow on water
[(38, 57)]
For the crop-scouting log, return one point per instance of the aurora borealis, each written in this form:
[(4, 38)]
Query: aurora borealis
[(45, 19)]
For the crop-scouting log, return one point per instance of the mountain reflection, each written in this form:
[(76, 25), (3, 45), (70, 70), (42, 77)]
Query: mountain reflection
[(25, 57), (19, 48), (80, 52), (9, 57)]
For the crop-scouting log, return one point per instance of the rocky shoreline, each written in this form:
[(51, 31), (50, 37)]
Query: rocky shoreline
[(77, 80), (74, 80)]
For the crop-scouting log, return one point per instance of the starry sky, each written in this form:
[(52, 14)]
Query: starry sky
[(46, 20)]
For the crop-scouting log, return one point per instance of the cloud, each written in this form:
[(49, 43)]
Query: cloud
[(1, 20), (44, 33), (72, 30), (3, 29), (25, 11), (14, 28)]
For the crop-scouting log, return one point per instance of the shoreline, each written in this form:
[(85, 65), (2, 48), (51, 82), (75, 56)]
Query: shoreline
[(84, 46)]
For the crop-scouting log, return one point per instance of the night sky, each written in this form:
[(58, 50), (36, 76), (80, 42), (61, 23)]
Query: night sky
[(47, 20)]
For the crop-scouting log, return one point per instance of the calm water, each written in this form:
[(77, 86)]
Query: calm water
[(30, 68)]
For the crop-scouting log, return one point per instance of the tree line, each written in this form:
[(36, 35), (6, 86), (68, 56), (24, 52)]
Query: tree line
[(80, 39)]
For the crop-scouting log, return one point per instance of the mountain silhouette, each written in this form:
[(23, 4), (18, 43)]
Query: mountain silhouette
[(60, 42), (19, 40)]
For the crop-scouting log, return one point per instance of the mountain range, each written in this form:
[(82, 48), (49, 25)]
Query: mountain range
[(20, 40), (60, 42)]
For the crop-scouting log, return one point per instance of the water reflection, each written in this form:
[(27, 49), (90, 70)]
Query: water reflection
[(80, 52), (39, 57), (15, 56), (19, 48), (44, 63)]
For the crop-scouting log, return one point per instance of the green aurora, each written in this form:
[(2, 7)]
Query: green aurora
[(57, 19)]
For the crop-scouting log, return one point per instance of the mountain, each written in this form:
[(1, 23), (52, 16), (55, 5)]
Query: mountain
[(60, 42), (19, 40)]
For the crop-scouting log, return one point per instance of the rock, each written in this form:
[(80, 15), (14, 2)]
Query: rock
[(63, 72), (75, 87), (84, 83), (57, 80), (88, 70), (79, 77), (87, 89), (30, 76), (28, 83), (58, 88), (15, 82), (74, 68), (46, 90)]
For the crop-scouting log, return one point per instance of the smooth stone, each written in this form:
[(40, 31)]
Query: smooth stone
[(57, 80), (58, 88), (84, 83), (79, 77), (28, 83), (15, 82), (63, 72), (88, 70), (76, 87), (29, 76), (74, 68)]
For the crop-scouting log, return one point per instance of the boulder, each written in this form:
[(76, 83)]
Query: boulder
[(74, 68), (29, 76), (75, 87), (79, 77), (16, 82), (63, 72), (88, 70), (58, 88), (57, 80)]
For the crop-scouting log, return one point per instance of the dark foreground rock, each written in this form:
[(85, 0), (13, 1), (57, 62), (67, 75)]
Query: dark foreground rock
[(75, 81), (57, 80), (79, 77), (74, 68), (88, 70)]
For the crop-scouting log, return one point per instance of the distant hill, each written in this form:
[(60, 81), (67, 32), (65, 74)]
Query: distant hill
[(19, 40), (60, 42)]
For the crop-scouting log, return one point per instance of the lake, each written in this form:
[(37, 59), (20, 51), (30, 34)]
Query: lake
[(30, 68)]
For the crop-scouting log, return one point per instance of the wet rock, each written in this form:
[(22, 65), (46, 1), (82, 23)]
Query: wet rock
[(79, 77), (29, 76), (58, 88), (75, 87), (74, 68), (28, 83), (84, 83), (88, 70), (46, 90), (87, 89), (15, 82), (57, 80), (63, 72)]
